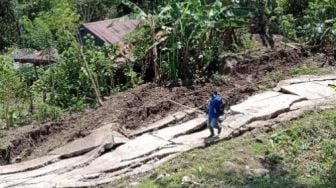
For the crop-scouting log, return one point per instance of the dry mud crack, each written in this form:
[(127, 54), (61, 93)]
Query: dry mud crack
[(105, 155)]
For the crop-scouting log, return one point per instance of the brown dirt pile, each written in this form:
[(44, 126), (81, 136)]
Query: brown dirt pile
[(145, 104)]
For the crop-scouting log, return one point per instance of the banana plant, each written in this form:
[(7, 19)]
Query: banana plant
[(320, 22), (195, 25), (196, 32)]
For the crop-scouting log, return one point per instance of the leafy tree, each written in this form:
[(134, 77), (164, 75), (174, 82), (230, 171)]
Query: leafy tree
[(52, 28), (187, 36), (32, 8), (319, 22), (294, 7), (150, 6), (69, 81), (37, 34), (12, 91), (8, 23), (93, 10)]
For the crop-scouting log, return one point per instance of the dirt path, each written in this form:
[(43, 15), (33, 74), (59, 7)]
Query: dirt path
[(136, 108)]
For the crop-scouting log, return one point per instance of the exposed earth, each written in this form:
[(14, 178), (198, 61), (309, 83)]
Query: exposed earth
[(136, 108), (84, 139), (137, 130), (105, 155)]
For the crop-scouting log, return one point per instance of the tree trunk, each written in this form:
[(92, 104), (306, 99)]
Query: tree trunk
[(155, 55), (93, 82)]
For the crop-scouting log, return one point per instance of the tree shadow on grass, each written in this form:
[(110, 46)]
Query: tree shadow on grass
[(272, 175), (223, 178), (269, 173), (275, 175), (278, 176), (330, 180), (231, 175)]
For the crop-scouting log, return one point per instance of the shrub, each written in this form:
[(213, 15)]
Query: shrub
[(70, 79), (12, 91), (46, 111), (332, 174)]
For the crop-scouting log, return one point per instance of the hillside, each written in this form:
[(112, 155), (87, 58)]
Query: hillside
[(87, 83)]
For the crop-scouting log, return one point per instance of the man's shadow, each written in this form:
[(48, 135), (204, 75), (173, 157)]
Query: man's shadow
[(210, 140)]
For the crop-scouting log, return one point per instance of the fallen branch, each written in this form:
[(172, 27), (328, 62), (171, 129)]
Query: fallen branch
[(290, 45), (196, 109)]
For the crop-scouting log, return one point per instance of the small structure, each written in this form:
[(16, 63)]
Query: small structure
[(110, 31), (36, 58)]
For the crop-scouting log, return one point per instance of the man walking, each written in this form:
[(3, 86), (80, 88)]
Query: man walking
[(215, 109)]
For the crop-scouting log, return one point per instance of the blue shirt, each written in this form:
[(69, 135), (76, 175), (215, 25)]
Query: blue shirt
[(214, 106)]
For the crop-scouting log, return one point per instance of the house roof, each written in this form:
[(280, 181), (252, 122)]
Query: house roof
[(113, 30), (35, 57)]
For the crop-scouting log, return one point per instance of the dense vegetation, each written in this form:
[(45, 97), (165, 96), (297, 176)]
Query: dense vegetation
[(177, 39)]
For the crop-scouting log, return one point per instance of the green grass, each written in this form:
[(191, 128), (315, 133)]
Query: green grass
[(4, 143), (300, 153), (309, 69), (271, 78)]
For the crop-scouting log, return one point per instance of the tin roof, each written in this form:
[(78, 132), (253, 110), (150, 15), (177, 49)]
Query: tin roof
[(113, 30), (36, 57)]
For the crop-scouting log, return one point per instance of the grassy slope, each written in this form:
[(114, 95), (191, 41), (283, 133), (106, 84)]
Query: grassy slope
[(300, 153)]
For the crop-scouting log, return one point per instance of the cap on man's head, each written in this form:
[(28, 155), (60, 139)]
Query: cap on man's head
[(213, 93)]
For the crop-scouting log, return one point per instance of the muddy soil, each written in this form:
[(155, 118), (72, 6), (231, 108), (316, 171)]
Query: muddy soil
[(138, 107)]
